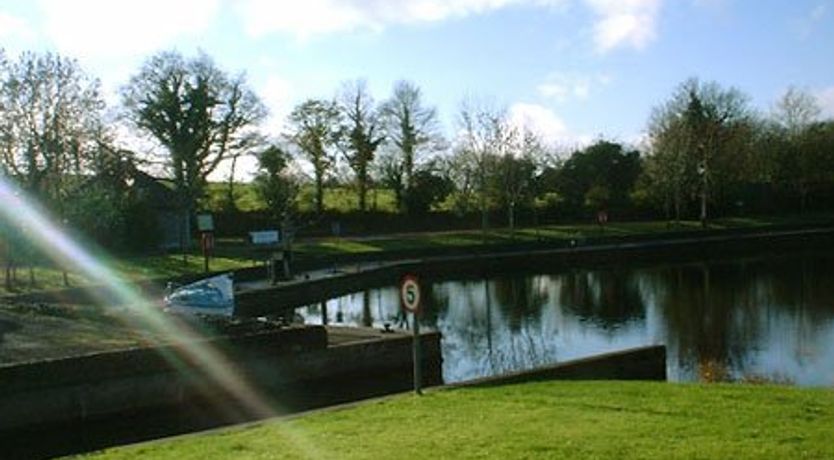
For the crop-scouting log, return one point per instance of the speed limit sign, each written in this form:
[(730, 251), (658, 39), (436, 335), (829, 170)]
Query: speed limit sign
[(410, 294), (410, 301)]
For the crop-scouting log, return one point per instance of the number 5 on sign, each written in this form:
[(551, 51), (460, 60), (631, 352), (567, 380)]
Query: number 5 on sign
[(410, 294)]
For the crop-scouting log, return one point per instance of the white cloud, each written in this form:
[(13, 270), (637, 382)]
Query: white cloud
[(806, 25), (561, 86), (276, 93), (543, 121), (12, 27), (108, 28), (624, 23), (825, 99), (711, 4), (316, 17), (818, 12), (552, 90)]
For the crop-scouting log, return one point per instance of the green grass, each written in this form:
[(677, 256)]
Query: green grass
[(35, 332), (340, 199), (583, 233), (539, 420), (171, 265), (129, 268), (232, 254), (346, 199)]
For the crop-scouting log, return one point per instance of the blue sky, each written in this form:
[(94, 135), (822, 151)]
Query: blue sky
[(575, 69)]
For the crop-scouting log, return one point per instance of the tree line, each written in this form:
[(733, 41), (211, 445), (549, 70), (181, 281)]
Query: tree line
[(707, 151)]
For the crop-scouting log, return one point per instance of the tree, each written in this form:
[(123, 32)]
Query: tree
[(814, 149), (599, 176), (100, 204), (461, 169), (389, 172), (517, 174), (668, 169), (199, 114), (360, 134), (50, 123), (275, 183), (796, 110), (707, 130), (427, 188), (314, 129), (801, 160), (50, 127), (485, 136), (412, 129)]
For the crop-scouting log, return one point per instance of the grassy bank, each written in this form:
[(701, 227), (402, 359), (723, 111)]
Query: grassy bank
[(583, 233), (135, 268), (233, 254), (539, 420)]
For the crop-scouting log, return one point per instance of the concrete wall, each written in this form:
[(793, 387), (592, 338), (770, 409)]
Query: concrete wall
[(292, 366), (289, 296), (645, 363)]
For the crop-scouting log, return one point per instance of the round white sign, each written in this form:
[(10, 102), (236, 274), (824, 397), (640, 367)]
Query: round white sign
[(410, 293)]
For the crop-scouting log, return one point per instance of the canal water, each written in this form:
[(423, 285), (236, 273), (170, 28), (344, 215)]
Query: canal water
[(754, 319)]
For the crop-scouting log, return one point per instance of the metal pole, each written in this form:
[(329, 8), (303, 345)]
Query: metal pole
[(418, 374), (205, 243)]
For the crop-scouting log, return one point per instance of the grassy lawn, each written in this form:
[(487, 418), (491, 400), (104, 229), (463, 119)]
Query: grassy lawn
[(583, 233), (539, 420), (39, 332), (341, 199), (232, 255), (129, 268), (171, 265)]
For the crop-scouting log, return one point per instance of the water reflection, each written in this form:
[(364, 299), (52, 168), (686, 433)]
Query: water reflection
[(756, 319)]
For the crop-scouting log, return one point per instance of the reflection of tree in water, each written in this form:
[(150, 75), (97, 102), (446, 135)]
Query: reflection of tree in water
[(523, 348), (434, 305), (367, 316), (799, 290), (495, 327), (608, 298), (715, 313), (803, 285), (520, 298), (470, 312), (721, 320), (698, 318)]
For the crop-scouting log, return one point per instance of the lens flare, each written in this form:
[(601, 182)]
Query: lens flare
[(225, 377)]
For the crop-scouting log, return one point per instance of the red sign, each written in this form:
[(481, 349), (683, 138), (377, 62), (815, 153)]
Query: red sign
[(410, 294)]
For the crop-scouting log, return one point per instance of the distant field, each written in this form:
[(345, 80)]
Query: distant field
[(341, 199)]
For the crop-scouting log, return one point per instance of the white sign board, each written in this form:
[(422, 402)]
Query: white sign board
[(265, 237), (205, 223)]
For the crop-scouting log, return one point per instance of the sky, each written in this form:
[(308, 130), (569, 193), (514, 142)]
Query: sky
[(575, 70)]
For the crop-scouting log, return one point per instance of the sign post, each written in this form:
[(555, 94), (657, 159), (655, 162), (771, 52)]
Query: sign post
[(205, 224), (410, 302), (207, 244)]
